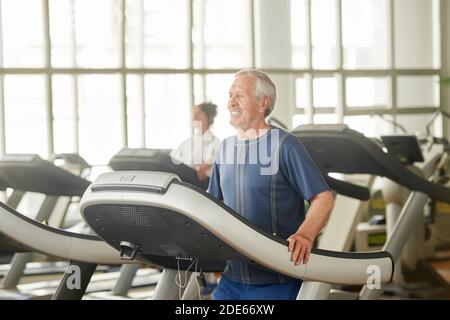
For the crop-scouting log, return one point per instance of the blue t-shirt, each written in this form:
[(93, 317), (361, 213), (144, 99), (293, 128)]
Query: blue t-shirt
[(266, 180)]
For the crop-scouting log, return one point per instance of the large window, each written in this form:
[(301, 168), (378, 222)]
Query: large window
[(366, 57), (156, 33), (25, 114), (167, 112), (99, 111), (365, 35), (85, 33), (22, 33), (221, 34), (95, 76), (65, 117)]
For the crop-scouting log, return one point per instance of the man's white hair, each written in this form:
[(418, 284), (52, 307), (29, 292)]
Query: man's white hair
[(264, 87)]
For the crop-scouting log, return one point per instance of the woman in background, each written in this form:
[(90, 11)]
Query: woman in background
[(198, 151)]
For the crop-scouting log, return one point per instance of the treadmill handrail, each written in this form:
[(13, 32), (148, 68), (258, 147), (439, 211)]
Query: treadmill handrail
[(231, 228), (4, 183), (55, 242), (347, 189), (337, 254), (318, 257)]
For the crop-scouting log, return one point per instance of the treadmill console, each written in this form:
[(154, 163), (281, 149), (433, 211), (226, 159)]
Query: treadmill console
[(406, 148)]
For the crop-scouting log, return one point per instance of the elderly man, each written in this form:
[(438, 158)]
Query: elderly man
[(265, 174)]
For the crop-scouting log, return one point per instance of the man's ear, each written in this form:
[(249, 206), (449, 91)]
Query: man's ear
[(264, 104)]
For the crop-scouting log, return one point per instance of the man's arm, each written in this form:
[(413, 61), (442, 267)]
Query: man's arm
[(301, 242)]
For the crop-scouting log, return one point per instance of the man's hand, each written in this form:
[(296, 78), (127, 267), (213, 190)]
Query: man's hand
[(300, 246), (301, 242), (202, 171)]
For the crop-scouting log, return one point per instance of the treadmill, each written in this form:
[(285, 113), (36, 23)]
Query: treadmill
[(32, 173), (129, 159), (330, 146), (155, 218), (84, 251), (142, 159), (12, 201)]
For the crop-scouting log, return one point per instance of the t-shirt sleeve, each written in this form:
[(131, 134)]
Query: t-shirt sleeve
[(212, 148), (214, 182), (300, 170)]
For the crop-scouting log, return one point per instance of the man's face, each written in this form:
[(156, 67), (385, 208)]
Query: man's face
[(243, 104)]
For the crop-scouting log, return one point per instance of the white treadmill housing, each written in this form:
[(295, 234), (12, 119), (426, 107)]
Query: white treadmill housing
[(153, 217), (38, 237)]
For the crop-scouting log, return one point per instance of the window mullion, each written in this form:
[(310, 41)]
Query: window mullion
[(252, 33), (2, 98), (123, 76), (48, 77), (393, 77), (190, 29), (73, 43), (340, 79), (309, 108), (142, 76)]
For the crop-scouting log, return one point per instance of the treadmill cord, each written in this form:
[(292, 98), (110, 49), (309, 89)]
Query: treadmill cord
[(196, 280), (178, 280)]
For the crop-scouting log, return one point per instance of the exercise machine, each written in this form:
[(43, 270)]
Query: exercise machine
[(330, 147), (155, 218)]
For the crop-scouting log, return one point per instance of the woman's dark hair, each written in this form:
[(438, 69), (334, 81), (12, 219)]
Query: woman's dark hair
[(210, 109)]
